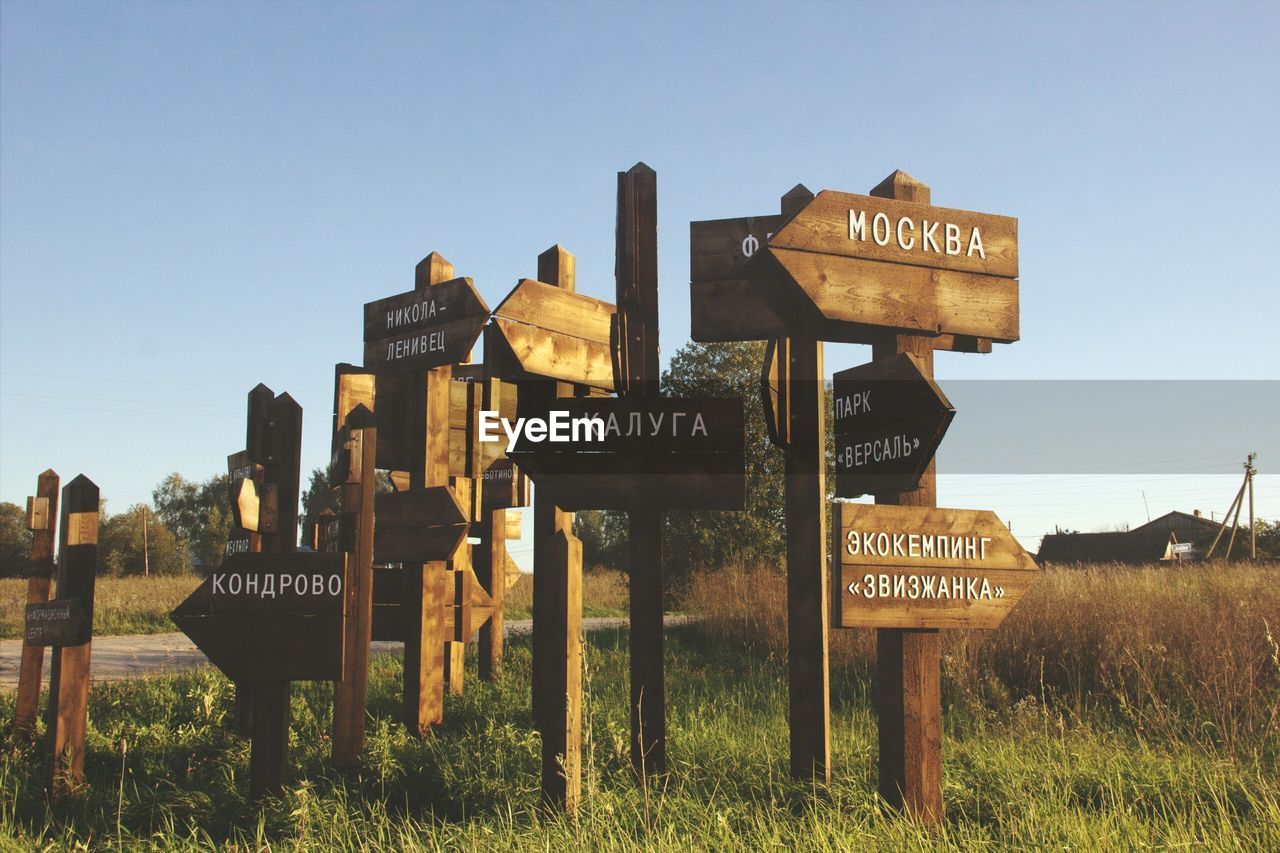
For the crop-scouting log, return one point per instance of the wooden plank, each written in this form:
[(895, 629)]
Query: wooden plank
[(435, 506), (903, 232), (731, 310), (505, 486), (420, 544), (454, 670), (648, 425), (490, 559), (560, 667), (513, 521), (807, 574), (556, 309), (721, 248), (425, 308), (909, 662), (554, 355), (61, 622), (440, 345), (350, 694), (817, 293), (705, 480), (773, 396), (27, 701), (68, 709), (352, 386)]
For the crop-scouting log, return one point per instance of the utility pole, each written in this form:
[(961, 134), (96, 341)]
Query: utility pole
[(146, 559)]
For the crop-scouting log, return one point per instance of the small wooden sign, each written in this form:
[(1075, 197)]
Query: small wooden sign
[(271, 617), (254, 506), (547, 331), (889, 420), (647, 452), (505, 486), (61, 622), (925, 567), (423, 328), (466, 608), (37, 513)]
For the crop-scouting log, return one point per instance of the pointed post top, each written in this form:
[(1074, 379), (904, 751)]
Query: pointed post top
[(902, 187), (640, 168), (557, 266), (433, 269), (48, 472), (795, 198), (80, 495)]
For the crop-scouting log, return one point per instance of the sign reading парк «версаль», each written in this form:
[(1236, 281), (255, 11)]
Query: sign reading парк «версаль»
[(427, 327), (925, 567), (889, 419)]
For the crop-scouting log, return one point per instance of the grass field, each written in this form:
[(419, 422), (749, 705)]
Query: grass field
[(1026, 765), (137, 605)]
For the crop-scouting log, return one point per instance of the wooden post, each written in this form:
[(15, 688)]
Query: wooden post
[(908, 661), (637, 299), (799, 387), (557, 603), (38, 584), (67, 714), (269, 701), (425, 597), (350, 694), (808, 614), (490, 555)]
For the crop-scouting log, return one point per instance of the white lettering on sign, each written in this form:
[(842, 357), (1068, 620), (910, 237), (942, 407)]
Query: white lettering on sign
[(853, 404), (415, 345), (916, 587), (268, 584), (885, 449), (751, 244), (932, 546), (410, 314), (237, 546), (908, 236)]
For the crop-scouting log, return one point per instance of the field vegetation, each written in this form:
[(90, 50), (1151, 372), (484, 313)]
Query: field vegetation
[(1117, 709)]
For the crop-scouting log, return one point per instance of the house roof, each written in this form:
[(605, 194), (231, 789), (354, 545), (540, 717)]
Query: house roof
[(1131, 546), (1180, 519)]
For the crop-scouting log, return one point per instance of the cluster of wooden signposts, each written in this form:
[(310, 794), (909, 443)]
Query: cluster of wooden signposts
[(425, 564)]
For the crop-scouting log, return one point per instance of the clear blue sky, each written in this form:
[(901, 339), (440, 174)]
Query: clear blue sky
[(198, 197)]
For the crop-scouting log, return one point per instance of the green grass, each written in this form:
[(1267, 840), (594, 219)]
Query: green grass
[(163, 770)]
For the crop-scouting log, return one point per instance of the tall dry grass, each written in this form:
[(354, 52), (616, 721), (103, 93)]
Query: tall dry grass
[(605, 592), (121, 605), (1189, 652)]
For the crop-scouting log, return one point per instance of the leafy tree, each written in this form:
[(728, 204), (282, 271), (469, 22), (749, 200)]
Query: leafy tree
[(604, 537), (316, 497), (134, 541), (198, 516), (15, 540)]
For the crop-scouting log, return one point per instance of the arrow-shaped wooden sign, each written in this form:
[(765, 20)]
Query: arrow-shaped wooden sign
[(924, 567), (646, 452), (845, 266), (270, 617), (424, 328), (889, 420), (554, 333)]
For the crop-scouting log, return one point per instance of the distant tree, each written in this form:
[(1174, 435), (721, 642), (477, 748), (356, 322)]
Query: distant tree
[(315, 498), (198, 516), (134, 541), (604, 538), (15, 540), (705, 539), (1268, 540)]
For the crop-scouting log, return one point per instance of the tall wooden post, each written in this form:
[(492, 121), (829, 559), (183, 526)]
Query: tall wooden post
[(637, 299), (801, 401), (908, 661), (67, 714), (269, 726), (557, 603), (425, 595), (490, 556), (350, 694), (808, 614), (42, 521)]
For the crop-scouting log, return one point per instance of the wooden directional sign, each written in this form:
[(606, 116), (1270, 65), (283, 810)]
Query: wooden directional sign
[(466, 608), (505, 487), (424, 328), (547, 331), (925, 567), (418, 525), (889, 420), (271, 617), (647, 452), (846, 265), (61, 622)]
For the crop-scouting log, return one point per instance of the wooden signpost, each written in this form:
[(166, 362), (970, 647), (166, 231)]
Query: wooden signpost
[(890, 270), (67, 714), (268, 616), (42, 514), (889, 420)]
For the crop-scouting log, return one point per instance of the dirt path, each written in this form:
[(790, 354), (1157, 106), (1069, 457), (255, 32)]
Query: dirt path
[(139, 655)]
